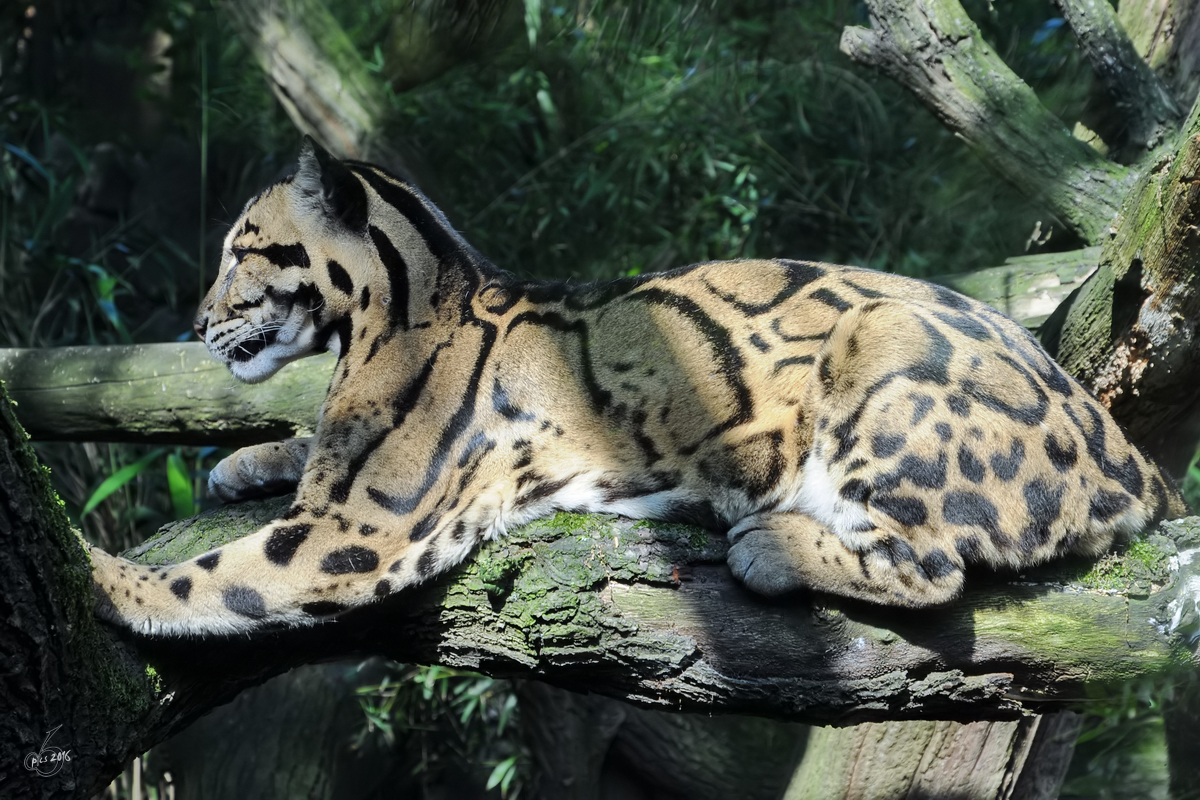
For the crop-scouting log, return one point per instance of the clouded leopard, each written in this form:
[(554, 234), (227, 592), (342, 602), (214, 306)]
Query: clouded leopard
[(854, 432)]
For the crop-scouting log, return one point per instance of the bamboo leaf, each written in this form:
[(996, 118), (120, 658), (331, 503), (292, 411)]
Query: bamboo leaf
[(179, 483), (118, 479)]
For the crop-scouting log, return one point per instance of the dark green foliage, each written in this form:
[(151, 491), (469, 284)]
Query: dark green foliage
[(654, 135)]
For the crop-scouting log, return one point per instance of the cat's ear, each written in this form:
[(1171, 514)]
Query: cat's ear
[(341, 195)]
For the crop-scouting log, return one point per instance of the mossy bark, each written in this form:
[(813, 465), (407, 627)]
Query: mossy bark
[(1129, 334), (1140, 112), (649, 613), (77, 702)]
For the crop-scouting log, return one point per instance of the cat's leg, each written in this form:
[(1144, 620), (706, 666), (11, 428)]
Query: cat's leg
[(261, 470), (775, 553)]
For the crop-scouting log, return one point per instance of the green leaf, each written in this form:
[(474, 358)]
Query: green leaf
[(180, 484), (533, 20), (118, 479), (501, 772)]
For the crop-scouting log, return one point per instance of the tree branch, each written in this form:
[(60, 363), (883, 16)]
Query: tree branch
[(934, 49), (650, 613), (317, 75), (1143, 114), (158, 393)]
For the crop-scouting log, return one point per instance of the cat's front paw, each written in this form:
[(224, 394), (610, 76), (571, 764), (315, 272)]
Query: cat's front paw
[(261, 470)]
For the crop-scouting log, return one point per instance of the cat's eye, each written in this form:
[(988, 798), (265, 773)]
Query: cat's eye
[(238, 253)]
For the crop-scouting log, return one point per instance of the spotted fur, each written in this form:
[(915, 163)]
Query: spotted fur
[(855, 432)]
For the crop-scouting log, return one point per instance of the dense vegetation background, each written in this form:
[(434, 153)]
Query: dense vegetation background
[(586, 141)]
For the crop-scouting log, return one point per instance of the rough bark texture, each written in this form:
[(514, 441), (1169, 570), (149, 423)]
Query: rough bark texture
[(977, 761), (934, 49), (1130, 333), (76, 703), (651, 614), (1141, 114)]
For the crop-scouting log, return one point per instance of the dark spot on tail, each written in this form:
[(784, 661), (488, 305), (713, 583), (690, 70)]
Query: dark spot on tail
[(424, 527), (209, 562), (245, 602), (351, 559), (425, 565), (283, 542), (181, 588), (383, 588)]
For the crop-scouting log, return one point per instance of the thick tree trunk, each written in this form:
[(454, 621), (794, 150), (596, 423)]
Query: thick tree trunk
[(1167, 35), (77, 703), (1129, 334)]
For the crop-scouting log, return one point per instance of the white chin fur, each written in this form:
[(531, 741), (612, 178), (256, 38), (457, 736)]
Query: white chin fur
[(276, 355)]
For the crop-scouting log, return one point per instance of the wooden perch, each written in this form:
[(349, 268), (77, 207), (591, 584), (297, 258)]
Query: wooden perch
[(166, 393), (932, 48), (650, 613)]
